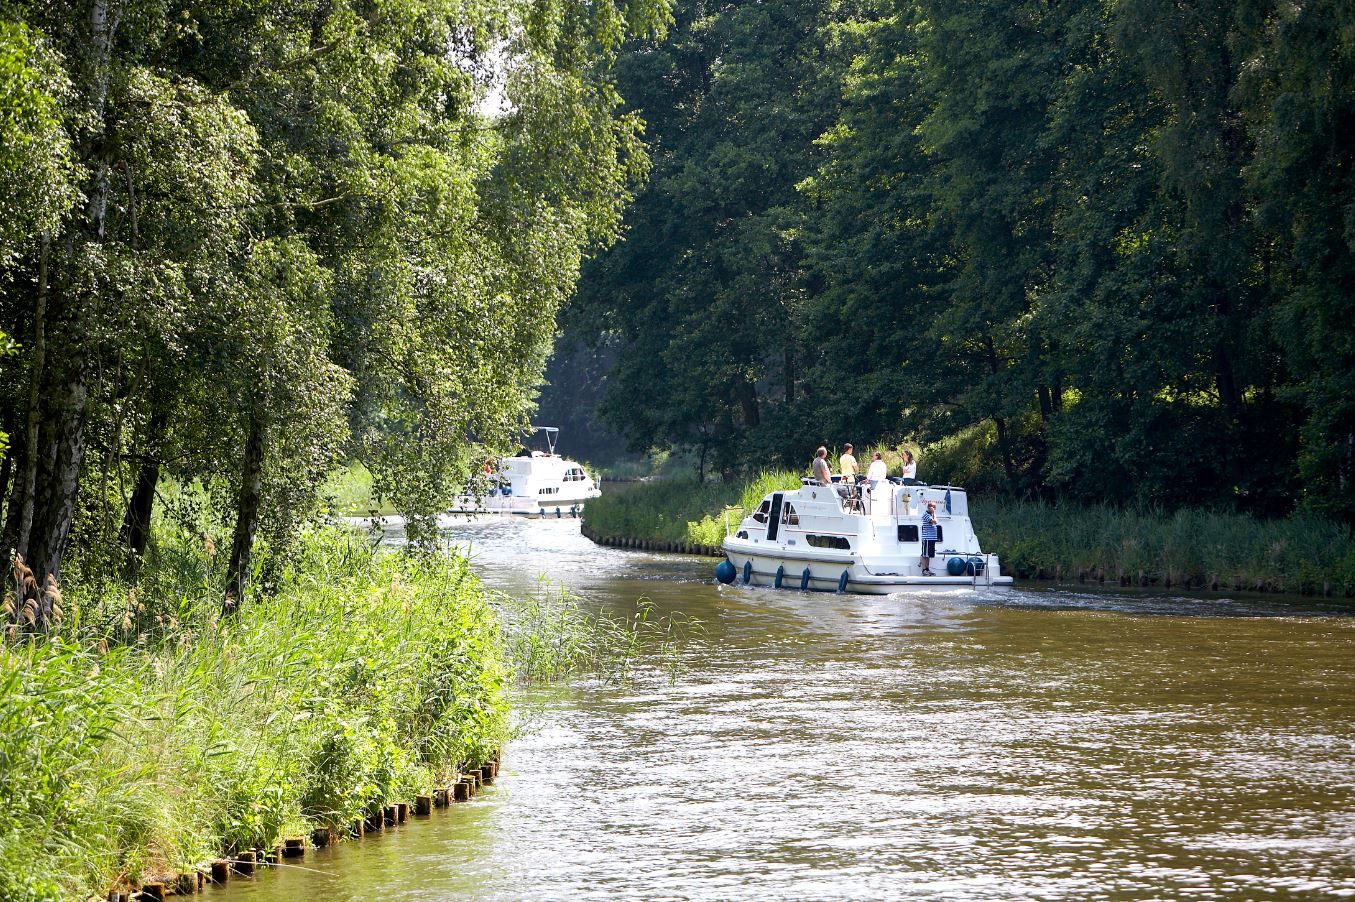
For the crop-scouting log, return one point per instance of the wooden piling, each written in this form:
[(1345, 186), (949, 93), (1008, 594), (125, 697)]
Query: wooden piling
[(116, 896), (487, 773), (320, 837), (391, 817), (153, 890), (375, 821), (423, 805), (401, 812), (245, 863), (221, 871), (358, 828), (461, 792), (294, 847), (440, 798), (186, 884)]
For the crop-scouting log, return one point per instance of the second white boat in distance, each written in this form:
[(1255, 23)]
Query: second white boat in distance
[(849, 538), (532, 484)]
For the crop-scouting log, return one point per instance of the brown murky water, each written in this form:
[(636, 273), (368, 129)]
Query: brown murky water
[(1018, 745)]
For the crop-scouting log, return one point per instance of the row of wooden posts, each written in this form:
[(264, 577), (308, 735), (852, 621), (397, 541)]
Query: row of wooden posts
[(246, 862), (650, 544)]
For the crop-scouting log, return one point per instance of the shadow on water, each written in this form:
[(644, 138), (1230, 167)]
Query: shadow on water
[(1049, 743)]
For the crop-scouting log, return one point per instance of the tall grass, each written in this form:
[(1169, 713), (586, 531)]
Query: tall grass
[(681, 510), (1301, 553), (1189, 547), (149, 734)]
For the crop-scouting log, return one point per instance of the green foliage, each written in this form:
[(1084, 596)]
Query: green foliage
[(1101, 251), (36, 166), (1189, 547), (278, 233), (149, 733), (681, 510)]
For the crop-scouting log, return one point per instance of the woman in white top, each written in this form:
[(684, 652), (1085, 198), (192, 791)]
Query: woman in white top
[(909, 466), (879, 470)]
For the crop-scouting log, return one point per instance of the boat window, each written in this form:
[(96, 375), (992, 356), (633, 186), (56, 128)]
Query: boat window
[(789, 516), (760, 514), (829, 542), (908, 532)]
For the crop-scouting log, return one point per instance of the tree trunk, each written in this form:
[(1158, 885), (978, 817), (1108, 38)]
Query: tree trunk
[(14, 469), (1046, 403), (747, 393), (23, 490), (56, 445), (1004, 445), (136, 523), (58, 474), (246, 510)]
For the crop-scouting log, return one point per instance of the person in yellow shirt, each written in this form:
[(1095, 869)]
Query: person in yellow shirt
[(847, 463)]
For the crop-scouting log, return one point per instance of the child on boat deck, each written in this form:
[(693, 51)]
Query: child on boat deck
[(928, 537)]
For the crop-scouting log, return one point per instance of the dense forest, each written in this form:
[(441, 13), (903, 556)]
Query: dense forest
[(242, 240), (1103, 249)]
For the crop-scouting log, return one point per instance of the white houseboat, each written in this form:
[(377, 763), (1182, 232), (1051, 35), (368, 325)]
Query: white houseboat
[(533, 484), (849, 538)]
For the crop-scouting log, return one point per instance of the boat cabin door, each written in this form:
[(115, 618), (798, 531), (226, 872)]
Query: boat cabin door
[(774, 517)]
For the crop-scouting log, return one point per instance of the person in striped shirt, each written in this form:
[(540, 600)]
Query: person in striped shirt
[(928, 537)]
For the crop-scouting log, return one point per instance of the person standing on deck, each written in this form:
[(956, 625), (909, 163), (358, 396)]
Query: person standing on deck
[(879, 470), (928, 537), (909, 465), (847, 463), (821, 467)]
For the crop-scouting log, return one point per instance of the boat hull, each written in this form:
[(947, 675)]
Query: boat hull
[(826, 573), (516, 507)]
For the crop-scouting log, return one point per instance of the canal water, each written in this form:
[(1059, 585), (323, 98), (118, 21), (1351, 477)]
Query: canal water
[(1032, 744)]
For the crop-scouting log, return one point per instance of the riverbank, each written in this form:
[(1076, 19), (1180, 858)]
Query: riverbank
[(148, 734), (1189, 549)]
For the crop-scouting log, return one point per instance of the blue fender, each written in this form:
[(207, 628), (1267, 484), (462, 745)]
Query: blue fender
[(747, 572), (804, 580), (725, 572), (842, 582), (780, 572)]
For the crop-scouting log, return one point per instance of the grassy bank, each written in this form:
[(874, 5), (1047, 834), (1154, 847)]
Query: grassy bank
[(1188, 548), (679, 510), (149, 734)]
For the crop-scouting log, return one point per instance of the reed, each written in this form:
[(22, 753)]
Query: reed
[(681, 510), (147, 734), (1190, 548)]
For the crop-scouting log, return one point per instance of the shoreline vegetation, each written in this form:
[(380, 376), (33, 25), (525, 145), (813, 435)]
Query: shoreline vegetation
[(1188, 549), (147, 734)]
